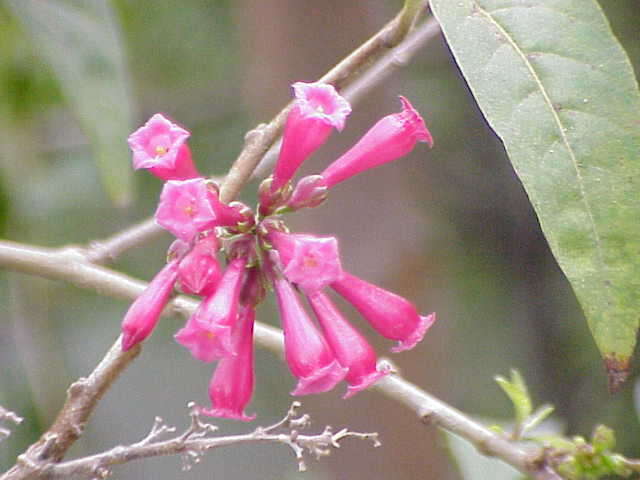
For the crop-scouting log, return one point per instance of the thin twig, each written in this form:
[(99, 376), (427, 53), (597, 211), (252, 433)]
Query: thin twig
[(107, 250), (397, 58), (67, 266), (8, 416), (195, 441)]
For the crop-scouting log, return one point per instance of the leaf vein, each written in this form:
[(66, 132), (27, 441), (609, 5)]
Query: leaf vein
[(557, 120)]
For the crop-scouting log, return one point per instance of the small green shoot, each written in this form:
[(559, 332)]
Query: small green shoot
[(517, 392)]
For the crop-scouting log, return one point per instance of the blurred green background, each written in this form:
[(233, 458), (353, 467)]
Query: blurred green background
[(449, 228)]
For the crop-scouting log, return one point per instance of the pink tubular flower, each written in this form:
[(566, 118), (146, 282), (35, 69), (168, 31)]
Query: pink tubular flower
[(188, 207), (144, 312), (208, 334), (309, 357), (391, 138), (199, 271), (317, 109), (351, 349), (160, 146), (389, 314), (231, 385), (309, 261)]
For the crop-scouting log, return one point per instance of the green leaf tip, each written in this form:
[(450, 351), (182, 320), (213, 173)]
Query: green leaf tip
[(517, 392), (537, 417)]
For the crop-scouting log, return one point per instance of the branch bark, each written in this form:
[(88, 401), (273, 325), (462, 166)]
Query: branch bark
[(67, 265)]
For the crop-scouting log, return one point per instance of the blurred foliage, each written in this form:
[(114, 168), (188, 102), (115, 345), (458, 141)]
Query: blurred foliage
[(26, 85), (499, 294), (81, 44)]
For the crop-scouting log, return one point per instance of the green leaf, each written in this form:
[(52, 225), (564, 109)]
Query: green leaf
[(80, 40), (558, 89), (537, 417), (517, 392)]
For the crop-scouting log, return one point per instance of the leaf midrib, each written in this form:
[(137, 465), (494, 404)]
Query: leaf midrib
[(558, 122)]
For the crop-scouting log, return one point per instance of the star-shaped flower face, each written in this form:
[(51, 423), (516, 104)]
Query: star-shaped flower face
[(317, 110), (309, 261), (320, 100), (187, 207), (157, 143)]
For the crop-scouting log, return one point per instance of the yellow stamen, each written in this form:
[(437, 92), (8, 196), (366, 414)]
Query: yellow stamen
[(160, 150), (190, 210), (310, 262)]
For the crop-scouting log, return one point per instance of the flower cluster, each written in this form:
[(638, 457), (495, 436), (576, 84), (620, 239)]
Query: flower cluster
[(262, 254)]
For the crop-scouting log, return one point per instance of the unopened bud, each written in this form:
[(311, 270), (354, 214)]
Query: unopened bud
[(309, 192)]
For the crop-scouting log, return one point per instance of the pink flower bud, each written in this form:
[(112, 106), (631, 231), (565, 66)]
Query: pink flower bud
[(177, 250), (317, 109), (245, 217), (160, 146), (209, 331), (391, 138), (199, 271), (351, 348), (188, 207), (309, 192), (389, 314), (231, 385), (309, 357), (144, 312), (308, 261)]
